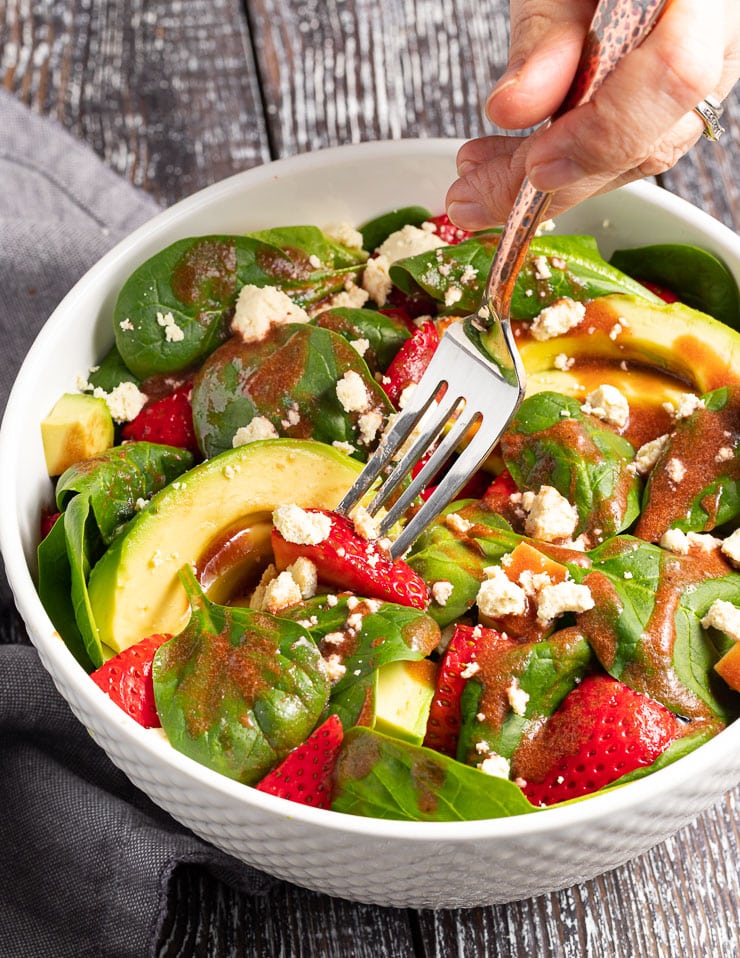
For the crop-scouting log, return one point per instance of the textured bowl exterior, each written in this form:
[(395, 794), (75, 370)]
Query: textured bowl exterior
[(387, 863)]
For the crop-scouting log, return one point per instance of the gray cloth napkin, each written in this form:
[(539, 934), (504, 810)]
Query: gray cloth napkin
[(86, 860)]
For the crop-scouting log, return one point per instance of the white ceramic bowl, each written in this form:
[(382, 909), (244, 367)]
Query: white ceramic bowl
[(384, 862)]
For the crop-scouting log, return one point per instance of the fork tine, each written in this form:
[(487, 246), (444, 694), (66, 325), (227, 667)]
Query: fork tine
[(468, 462), (440, 456)]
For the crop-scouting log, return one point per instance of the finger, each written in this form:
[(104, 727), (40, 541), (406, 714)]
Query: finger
[(546, 41), (638, 104)]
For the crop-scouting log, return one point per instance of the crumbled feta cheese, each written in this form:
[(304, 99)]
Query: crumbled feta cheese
[(563, 362), (495, 765), (140, 504), (376, 280), (563, 315), (126, 325), (562, 597), (258, 596), (345, 234), (314, 262), (687, 405), (609, 404), (281, 592), (125, 401), (352, 392), (675, 470), (724, 454), (675, 540), (470, 670), (541, 268), (458, 523), (441, 591), (304, 528), (453, 294), (369, 423), (468, 275), (334, 668), (550, 516), (259, 308), (305, 576), (724, 616), (498, 595), (360, 346), (172, 332), (366, 525), (517, 697), (351, 297), (731, 548), (409, 241), (258, 428), (534, 582), (649, 453), (482, 747)]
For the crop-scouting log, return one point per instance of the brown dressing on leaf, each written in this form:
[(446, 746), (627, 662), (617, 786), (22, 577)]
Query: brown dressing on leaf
[(208, 265)]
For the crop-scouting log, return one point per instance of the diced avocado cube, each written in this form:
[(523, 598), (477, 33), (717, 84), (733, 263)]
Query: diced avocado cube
[(403, 697), (78, 427)]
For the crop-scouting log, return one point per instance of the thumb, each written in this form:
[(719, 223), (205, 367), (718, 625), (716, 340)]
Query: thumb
[(546, 41)]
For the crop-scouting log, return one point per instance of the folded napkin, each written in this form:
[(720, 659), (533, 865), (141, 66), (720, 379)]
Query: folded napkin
[(86, 860)]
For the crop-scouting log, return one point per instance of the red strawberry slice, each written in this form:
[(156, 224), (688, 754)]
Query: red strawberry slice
[(667, 295), (443, 724), (168, 421), (417, 303), (602, 730), (305, 775), (447, 231), (48, 519), (397, 312), (127, 679), (345, 560), (410, 362)]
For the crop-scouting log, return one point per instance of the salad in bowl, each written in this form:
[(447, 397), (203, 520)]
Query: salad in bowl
[(452, 692), (569, 623)]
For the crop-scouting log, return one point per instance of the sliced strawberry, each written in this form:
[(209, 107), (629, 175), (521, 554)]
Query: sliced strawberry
[(443, 724), (418, 303), (305, 775), (602, 730), (410, 362), (397, 312), (447, 231), (47, 522), (502, 485), (127, 679), (345, 560), (168, 421), (667, 295)]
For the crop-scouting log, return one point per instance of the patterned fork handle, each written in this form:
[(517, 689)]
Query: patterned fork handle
[(617, 27)]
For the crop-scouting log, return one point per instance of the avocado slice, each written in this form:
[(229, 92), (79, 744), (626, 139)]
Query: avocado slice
[(403, 696), (134, 589), (78, 427), (672, 338)]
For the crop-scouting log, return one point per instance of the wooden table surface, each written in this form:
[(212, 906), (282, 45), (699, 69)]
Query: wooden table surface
[(176, 95)]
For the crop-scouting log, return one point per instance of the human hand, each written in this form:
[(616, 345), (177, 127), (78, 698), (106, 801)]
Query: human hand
[(639, 123)]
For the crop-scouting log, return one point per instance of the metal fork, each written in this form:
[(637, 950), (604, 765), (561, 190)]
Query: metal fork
[(476, 380)]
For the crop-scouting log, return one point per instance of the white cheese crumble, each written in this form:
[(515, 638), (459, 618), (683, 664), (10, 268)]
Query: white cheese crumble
[(259, 308), (470, 670), (496, 765), (366, 525), (305, 576), (550, 516), (608, 404), (126, 325), (676, 470), (258, 428), (441, 591), (563, 362), (731, 548), (562, 597), (563, 315), (724, 616), (360, 346), (344, 446), (172, 332), (303, 528), (351, 297), (409, 241), (687, 405), (649, 453), (498, 595), (541, 268), (352, 392), (369, 423), (458, 523), (334, 668), (345, 234), (281, 592), (453, 294), (124, 402), (376, 280), (680, 543), (517, 697)]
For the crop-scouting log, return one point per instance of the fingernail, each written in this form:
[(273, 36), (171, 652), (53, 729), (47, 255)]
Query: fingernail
[(465, 166), (506, 80), (468, 215), (555, 174)]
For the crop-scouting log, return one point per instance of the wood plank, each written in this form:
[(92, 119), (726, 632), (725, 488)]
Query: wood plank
[(165, 92), (681, 898)]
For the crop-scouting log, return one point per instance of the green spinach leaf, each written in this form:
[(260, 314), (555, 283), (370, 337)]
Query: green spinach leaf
[(384, 334), (376, 231)]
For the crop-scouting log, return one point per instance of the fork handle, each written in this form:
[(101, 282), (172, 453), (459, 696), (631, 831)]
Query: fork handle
[(617, 27)]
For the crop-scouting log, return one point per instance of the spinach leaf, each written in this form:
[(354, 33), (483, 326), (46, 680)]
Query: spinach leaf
[(237, 689), (692, 491), (555, 267), (111, 372), (55, 585), (645, 627), (175, 309), (550, 441), (696, 276), (290, 378), (383, 777), (366, 634), (98, 496), (376, 231), (385, 334), (546, 671)]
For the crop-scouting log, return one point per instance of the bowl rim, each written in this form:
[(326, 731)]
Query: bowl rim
[(67, 671)]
